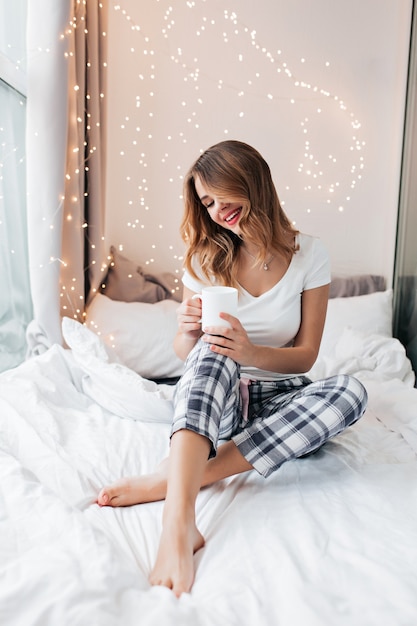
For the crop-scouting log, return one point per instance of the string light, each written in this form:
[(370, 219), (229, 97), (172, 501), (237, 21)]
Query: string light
[(317, 171), (79, 165), (252, 76)]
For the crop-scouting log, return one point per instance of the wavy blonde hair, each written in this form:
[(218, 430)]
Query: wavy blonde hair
[(238, 173)]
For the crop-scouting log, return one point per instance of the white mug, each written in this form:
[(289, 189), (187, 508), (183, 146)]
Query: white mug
[(217, 300)]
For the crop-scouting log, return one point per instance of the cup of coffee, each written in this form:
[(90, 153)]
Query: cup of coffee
[(217, 300)]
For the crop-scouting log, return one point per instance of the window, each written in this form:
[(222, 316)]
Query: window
[(15, 301)]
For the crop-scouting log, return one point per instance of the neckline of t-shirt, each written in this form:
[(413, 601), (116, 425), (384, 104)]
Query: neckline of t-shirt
[(283, 277)]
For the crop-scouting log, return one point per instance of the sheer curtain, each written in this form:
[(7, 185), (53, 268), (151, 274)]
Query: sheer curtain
[(15, 302), (65, 139)]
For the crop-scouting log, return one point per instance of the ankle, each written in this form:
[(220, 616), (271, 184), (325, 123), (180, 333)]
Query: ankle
[(177, 514)]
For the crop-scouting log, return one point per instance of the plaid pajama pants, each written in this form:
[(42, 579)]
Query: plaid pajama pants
[(286, 418)]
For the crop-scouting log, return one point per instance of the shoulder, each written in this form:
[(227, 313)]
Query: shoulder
[(309, 245), (197, 283), (312, 258)]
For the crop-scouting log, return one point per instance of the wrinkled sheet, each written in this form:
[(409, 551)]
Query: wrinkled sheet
[(329, 539)]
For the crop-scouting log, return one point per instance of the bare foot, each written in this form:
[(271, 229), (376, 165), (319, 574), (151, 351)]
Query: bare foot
[(136, 490), (174, 566)]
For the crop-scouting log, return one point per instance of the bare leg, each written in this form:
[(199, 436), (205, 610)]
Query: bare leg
[(180, 537), (140, 489)]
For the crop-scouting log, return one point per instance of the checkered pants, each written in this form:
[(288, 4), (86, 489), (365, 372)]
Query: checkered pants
[(286, 418)]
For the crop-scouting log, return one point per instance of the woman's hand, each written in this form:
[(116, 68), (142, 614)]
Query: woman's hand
[(233, 342), (189, 318)]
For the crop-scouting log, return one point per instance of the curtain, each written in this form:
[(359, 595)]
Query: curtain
[(65, 140), (15, 301)]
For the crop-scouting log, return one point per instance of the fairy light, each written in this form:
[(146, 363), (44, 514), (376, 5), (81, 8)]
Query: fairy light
[(149, 143), (316, 171), (78, 166)]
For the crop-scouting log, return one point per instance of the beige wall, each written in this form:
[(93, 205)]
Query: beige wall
[(318, 87)]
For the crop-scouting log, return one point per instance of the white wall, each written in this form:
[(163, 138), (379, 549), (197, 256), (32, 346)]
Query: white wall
[(317, 86)]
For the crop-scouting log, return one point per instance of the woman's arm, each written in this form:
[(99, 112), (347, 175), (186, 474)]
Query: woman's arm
[(297, 359), (189, 324)]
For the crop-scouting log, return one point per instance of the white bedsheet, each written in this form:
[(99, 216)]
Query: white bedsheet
[(330, 539)]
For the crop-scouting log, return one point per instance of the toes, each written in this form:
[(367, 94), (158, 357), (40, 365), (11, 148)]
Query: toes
[(181, 587), (178, 587), (109, 496), (103, 498), (116, 494), (158, 581)]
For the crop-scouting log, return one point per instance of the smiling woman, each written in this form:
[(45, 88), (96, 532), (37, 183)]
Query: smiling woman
[(244, 378), (242, 212)]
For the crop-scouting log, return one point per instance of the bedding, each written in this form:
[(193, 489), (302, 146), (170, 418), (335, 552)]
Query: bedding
[(329, 539)]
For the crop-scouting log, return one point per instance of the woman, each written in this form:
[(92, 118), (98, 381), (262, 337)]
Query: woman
[(245, 384)]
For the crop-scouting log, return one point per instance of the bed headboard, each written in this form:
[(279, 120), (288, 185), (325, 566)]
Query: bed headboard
[(346, 287)]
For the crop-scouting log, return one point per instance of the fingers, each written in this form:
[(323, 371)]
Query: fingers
[(219, 331), (231, 342), (233, 321), (230, 333), (189, 316), (190, 308), (219, 342)]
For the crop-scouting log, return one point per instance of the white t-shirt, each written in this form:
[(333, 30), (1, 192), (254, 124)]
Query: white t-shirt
[(273, 318)]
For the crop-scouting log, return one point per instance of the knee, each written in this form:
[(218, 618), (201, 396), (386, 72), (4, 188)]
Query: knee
[(356, 389), (353, 394), (203, 362)]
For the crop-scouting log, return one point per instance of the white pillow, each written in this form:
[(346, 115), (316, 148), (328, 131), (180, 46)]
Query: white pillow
[(141, 334), (371, 313)]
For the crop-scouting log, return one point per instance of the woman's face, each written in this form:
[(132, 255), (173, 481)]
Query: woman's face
[(222, 211)]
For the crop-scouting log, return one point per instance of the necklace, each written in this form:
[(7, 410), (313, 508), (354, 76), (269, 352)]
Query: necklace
[(265, 265)]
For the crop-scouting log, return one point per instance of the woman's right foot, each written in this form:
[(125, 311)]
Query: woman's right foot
[(135, 490)]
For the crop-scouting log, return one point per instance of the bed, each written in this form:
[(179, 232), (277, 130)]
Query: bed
[(329, 539)]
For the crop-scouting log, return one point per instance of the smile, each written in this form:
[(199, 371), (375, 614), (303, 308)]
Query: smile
[(232, 216)]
